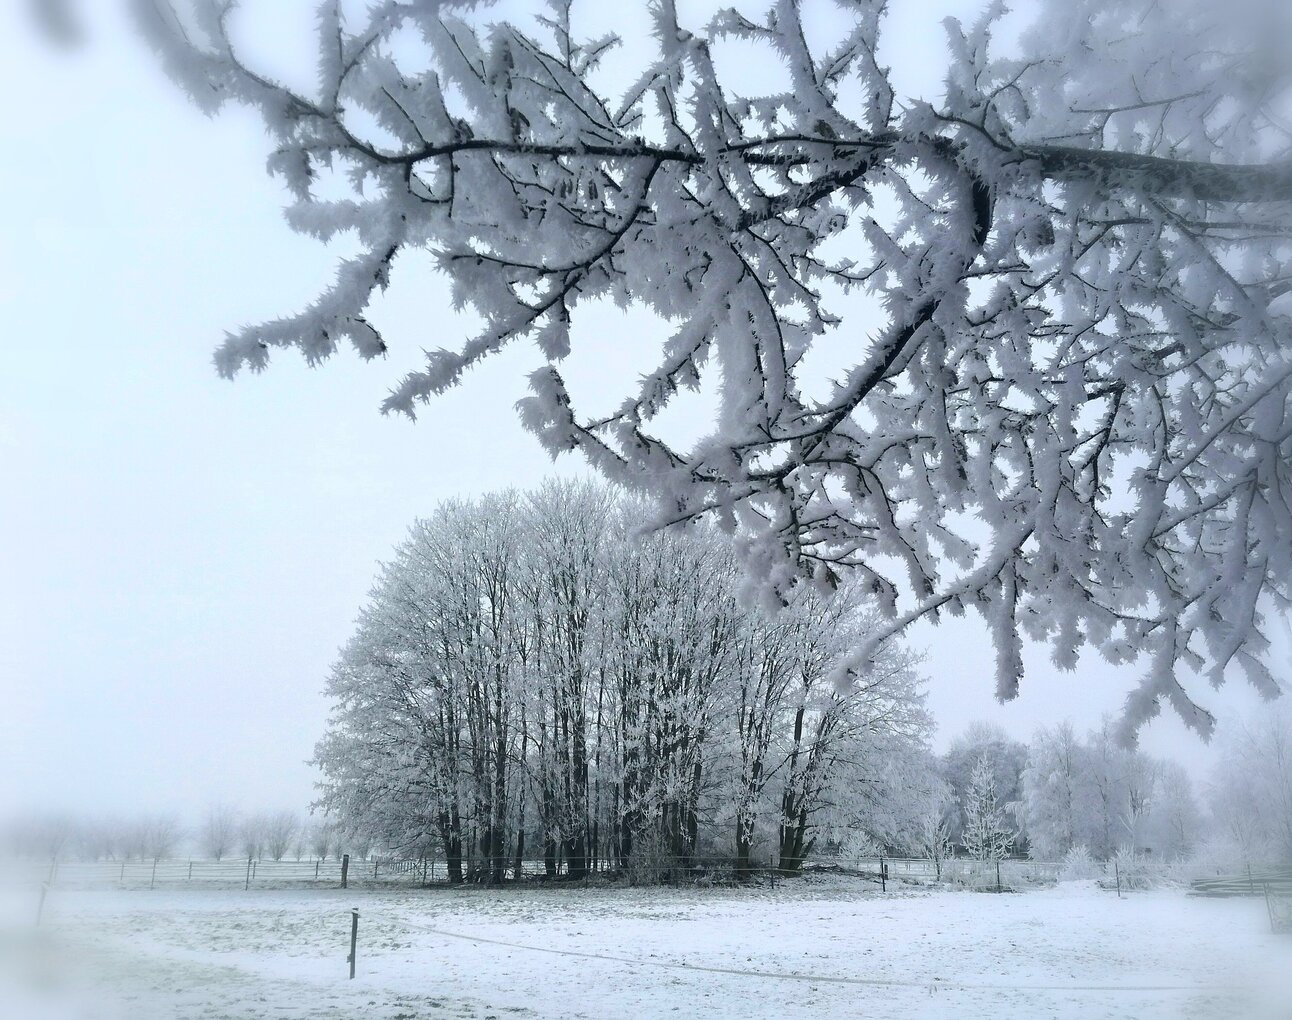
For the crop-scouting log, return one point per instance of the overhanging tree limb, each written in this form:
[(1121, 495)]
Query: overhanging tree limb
[(1067, 339)]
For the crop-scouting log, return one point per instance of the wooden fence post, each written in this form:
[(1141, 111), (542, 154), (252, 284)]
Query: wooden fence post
[(247, 883), (190, 869), (354, 937), (345, 870), (44, 888), (152, 882), (1117, 872), (998, 874)]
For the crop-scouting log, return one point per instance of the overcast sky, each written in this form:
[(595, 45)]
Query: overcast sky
[(181, 556)]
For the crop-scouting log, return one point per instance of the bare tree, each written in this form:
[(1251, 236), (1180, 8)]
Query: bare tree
[(1053, 787), (218, 832), (1176, 828), (322, 838), (1251, 790), (1007, 758), (158, 836), (987, 833), (1076, 265), (933, 835), (251, 835), (279, 829)]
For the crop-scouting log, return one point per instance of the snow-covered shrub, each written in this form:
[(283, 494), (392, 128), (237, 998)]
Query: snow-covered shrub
[(1078, 864), (1138, 871), (860, 845)]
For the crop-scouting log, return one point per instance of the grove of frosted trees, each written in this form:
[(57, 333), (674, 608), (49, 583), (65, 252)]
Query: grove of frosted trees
[(1251, 793), (532, 678), (1019, 345), (1063, 793), (1097, 794), (536, 678)]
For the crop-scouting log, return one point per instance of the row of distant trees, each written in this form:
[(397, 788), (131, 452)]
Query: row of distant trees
[(1064, 792), (1061, 791), (275, 835), (223, 832)]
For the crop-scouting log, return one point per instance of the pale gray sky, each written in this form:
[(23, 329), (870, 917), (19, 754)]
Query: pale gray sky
[(180, 556)]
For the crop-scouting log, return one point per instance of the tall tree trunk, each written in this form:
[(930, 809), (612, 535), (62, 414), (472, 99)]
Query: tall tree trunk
[(744, 845), (451, 837)]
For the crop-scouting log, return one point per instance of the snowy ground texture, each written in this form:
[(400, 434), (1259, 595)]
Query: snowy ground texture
[(1071, 951)]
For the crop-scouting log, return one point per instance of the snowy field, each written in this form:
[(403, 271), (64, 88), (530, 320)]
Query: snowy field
[(812, 948)]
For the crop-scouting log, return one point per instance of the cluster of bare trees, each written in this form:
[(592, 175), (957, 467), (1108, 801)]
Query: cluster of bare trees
[(61, 835), (1098, 794), (222, 832), (225, 832), (1251, 790), (1062, 793), (534, 678)]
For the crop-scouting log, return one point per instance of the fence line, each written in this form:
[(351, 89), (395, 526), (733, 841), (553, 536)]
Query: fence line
[(171, 872), (177, 871)]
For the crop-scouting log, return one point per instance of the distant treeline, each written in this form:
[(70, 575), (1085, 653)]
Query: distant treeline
[(223, 832)]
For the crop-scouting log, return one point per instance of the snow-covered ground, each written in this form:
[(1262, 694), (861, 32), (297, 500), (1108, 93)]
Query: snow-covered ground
[(814, 948)]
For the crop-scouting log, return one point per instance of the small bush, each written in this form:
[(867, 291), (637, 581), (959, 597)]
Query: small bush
[(1078, 865), (1138, 871)]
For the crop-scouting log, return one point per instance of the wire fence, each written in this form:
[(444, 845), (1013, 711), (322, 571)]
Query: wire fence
[(251, 873), (226, 873), (1003, 873)]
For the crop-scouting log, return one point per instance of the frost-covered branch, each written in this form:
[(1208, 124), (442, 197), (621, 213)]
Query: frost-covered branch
[(1069, 409)]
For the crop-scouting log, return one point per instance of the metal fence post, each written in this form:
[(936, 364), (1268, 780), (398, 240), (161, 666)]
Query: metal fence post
[(354, 938)]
